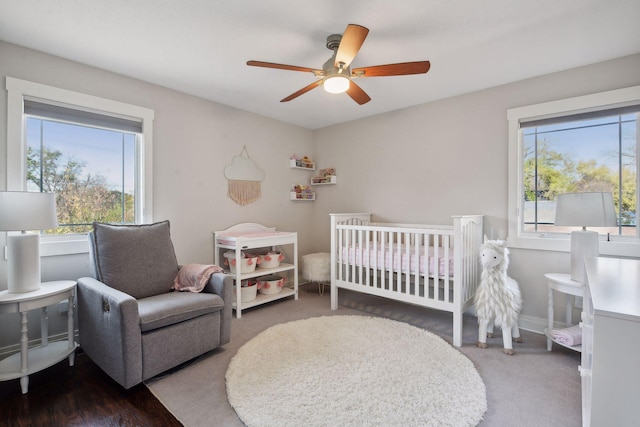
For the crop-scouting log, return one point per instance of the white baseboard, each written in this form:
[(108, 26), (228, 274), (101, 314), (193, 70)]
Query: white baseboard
[(529, 323), (532, 324)]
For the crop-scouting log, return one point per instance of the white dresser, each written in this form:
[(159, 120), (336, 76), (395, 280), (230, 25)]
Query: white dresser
[(610, 365)]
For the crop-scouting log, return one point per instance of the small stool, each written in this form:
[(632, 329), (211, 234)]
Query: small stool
[(317, 268)]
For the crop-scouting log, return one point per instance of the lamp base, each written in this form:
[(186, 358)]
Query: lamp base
[(584, 243), (24, 262)]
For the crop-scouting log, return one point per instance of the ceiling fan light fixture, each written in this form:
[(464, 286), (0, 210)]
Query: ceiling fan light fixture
[(336, 83)]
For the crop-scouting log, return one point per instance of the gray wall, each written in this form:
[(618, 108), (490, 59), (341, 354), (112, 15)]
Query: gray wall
[(421, 164), (193, 141), (426, 163)]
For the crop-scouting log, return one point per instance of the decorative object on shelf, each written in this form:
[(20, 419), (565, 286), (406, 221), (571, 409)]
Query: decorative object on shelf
[(326, 176), (25, 211), (302, 192), (584, 210), (304, 162), (497, 299), (244, 177)]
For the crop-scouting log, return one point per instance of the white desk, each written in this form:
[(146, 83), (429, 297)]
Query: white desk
[(610, 365), (560, 282), (28, 361)]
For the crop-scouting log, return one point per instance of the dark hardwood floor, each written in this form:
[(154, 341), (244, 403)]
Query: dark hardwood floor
[(79, 395)]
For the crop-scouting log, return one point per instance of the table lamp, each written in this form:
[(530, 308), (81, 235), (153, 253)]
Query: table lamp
[(23, 211), (584, 210)]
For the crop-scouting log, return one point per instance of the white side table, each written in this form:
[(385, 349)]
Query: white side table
[(29, 361), (561, 282)]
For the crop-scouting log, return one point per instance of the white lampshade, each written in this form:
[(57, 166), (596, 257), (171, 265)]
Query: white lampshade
[(584, 210), (336, 83), (24, 211)]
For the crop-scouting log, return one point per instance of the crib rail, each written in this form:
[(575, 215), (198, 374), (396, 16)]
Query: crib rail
[(412, 264)]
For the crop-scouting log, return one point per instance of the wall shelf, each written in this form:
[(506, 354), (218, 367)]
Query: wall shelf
[(294, 196), (299, 164), (332, 180)]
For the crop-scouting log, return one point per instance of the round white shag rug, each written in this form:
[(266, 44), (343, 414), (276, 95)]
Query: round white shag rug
[(353, 371)]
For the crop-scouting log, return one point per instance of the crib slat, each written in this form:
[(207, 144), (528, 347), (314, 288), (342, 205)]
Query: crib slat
[(354, 248), (418, 247), (446, 277), (360, 251), (435, 270)]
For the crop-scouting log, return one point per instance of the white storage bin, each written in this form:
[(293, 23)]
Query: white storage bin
[(269, 285), (271, 259), (247, 293), (247, 263)]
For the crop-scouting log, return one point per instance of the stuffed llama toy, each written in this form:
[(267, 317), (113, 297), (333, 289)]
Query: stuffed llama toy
[(497, 299)]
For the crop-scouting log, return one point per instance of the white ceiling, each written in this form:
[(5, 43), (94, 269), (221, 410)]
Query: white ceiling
[(201, 47)]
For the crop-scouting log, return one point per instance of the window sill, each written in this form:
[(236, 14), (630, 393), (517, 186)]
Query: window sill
[(630, 249), (67, 245)]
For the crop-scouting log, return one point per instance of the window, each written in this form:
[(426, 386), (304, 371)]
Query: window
[(94, 153), (86, 160), (582, 144)]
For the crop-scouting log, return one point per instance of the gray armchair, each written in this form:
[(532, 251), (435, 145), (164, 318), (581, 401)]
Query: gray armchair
[(131, 324)]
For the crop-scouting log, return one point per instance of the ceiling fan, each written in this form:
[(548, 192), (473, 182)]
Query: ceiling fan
[(336, 74)]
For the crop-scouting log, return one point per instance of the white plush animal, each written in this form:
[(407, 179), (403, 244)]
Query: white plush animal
[(497, 300)]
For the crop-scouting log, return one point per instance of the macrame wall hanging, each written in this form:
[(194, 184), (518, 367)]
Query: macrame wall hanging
[(243, 177)]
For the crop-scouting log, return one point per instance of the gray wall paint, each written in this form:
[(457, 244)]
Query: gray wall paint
[(426, 163), (421, 164), (193, 141)]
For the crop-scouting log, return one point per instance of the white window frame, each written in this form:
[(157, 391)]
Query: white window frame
[(17, 91), (630, 247)]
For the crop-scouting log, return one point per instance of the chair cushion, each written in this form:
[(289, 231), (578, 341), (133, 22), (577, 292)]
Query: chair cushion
[(136, 259), (167, 309)]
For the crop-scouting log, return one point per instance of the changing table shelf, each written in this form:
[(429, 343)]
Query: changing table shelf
[(248, 236)]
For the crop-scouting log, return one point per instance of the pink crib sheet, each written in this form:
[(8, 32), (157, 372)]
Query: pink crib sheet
[(373, 258)]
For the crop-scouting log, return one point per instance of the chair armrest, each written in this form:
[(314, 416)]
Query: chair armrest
[(110, 330), (222, 284)]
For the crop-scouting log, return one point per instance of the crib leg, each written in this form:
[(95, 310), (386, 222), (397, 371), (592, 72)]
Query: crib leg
[(482, 332), (457, 329), (506, 339), (334, 297)]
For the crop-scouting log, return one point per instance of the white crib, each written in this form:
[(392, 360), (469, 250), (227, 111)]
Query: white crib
[(434, 266)]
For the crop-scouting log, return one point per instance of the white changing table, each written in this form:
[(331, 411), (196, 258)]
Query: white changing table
[(251, 236)]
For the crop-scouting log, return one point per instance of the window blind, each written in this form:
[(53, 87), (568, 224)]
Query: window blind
[(629, 109), (59, 112)]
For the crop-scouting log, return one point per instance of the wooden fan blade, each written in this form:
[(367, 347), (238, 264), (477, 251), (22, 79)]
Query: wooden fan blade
[(400, 69), (282, 66), (357, 94), (351, 42), (303, 90)]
